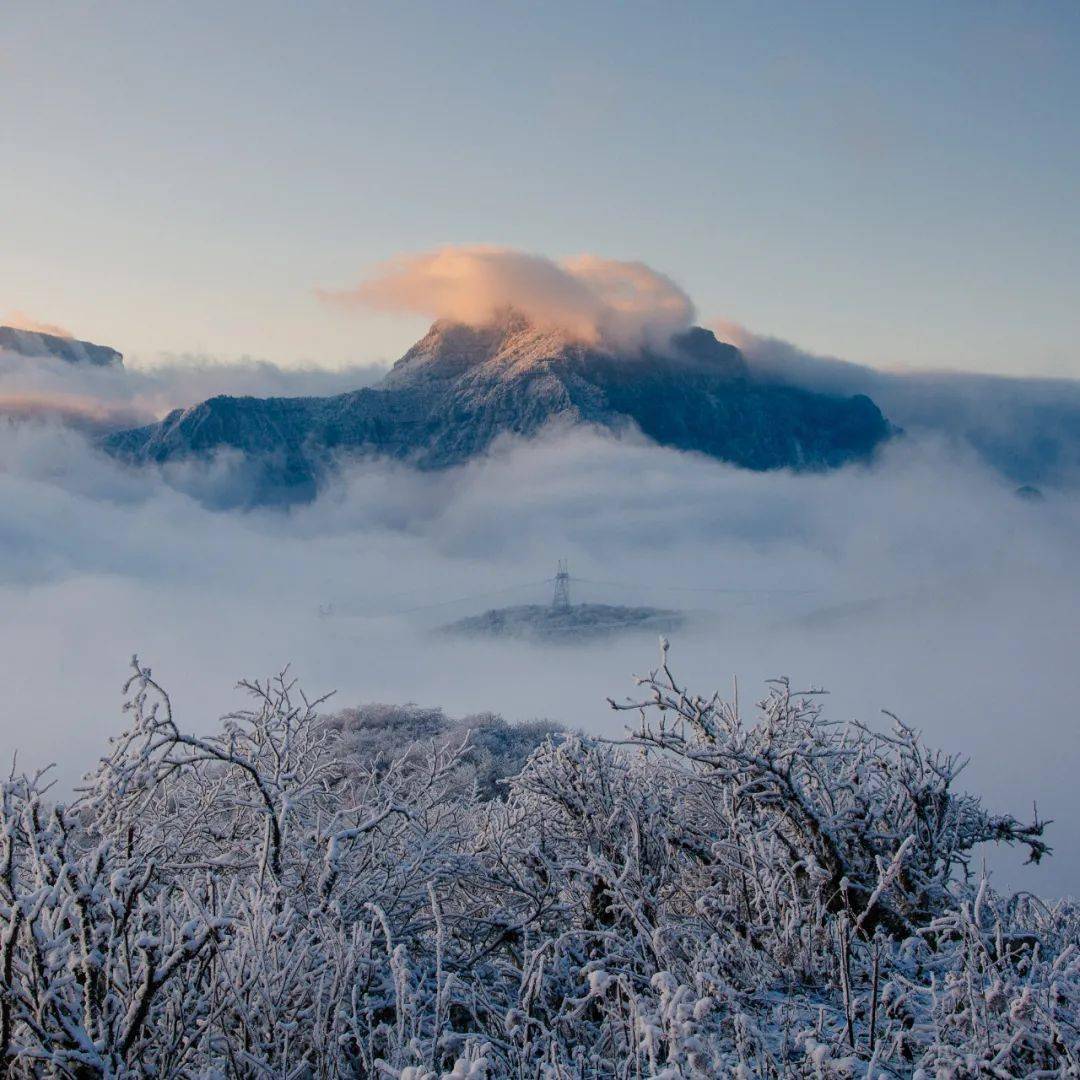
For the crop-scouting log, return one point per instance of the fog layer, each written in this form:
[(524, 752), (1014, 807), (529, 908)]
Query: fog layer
[(921, 584), (97, 398), (1026, 429)]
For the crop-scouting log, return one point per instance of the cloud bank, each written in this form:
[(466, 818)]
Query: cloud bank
[(599, 301), (109, 399), (943, 597), (1027, 429)]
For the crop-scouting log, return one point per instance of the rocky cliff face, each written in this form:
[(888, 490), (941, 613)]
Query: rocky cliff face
[(31, 343), (460, 387)]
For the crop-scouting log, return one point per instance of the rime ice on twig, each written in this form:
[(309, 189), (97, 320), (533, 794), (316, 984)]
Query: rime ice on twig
[(386, 893)]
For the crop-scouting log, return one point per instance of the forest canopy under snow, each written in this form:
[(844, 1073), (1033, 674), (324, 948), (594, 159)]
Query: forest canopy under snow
[(385, 892)]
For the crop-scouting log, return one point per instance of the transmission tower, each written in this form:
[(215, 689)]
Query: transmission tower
[(561, 602)]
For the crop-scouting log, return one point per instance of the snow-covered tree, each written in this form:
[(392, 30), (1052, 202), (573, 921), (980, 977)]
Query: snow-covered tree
[(389, 893)]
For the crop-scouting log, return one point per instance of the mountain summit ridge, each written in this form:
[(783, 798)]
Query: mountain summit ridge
[(460, 387), (510, 343), (71, 350)]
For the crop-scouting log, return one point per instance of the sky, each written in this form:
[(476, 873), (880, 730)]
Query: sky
[(892, 184)]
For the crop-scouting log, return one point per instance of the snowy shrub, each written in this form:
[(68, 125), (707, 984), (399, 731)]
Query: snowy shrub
[(362, 895), (493, 750)]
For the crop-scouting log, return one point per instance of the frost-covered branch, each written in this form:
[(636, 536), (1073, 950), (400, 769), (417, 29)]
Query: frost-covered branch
[(384, 892)]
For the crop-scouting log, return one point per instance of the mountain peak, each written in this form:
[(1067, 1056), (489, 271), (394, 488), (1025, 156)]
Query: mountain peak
[(462, 387), (451, 349), (510, 343)]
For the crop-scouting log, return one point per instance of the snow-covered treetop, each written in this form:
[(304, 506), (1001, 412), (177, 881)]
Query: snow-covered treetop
[(384, 892)]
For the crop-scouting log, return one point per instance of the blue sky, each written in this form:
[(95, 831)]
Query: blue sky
[(895, 184)]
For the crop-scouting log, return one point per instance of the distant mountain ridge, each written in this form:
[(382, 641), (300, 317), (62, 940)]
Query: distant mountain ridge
[(71, 350), (461, 387)]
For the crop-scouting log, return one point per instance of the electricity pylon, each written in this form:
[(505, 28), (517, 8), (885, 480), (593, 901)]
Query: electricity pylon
[(561, 602)]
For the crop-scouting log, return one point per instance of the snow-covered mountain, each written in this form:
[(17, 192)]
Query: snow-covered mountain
[(33, 343), (460, 387)]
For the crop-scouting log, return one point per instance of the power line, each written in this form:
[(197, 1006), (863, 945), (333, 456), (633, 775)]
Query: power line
[(561, 581), (683, 588)]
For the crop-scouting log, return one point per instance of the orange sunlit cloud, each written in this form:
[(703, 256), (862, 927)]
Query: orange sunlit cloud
[(20, 321), (591, 298)]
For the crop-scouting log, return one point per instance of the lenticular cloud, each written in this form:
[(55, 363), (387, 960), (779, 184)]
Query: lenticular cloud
[(599, 301)]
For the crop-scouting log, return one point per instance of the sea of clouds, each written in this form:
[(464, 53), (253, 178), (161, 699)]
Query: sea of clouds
[(921, 583)]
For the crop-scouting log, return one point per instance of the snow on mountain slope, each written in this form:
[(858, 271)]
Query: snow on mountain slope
[(460, 387)]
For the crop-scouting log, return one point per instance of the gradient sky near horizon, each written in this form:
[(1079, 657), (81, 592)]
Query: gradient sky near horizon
[(894, 184)]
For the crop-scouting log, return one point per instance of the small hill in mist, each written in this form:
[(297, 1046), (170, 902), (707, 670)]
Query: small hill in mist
[(574, 623), (461, 387)]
